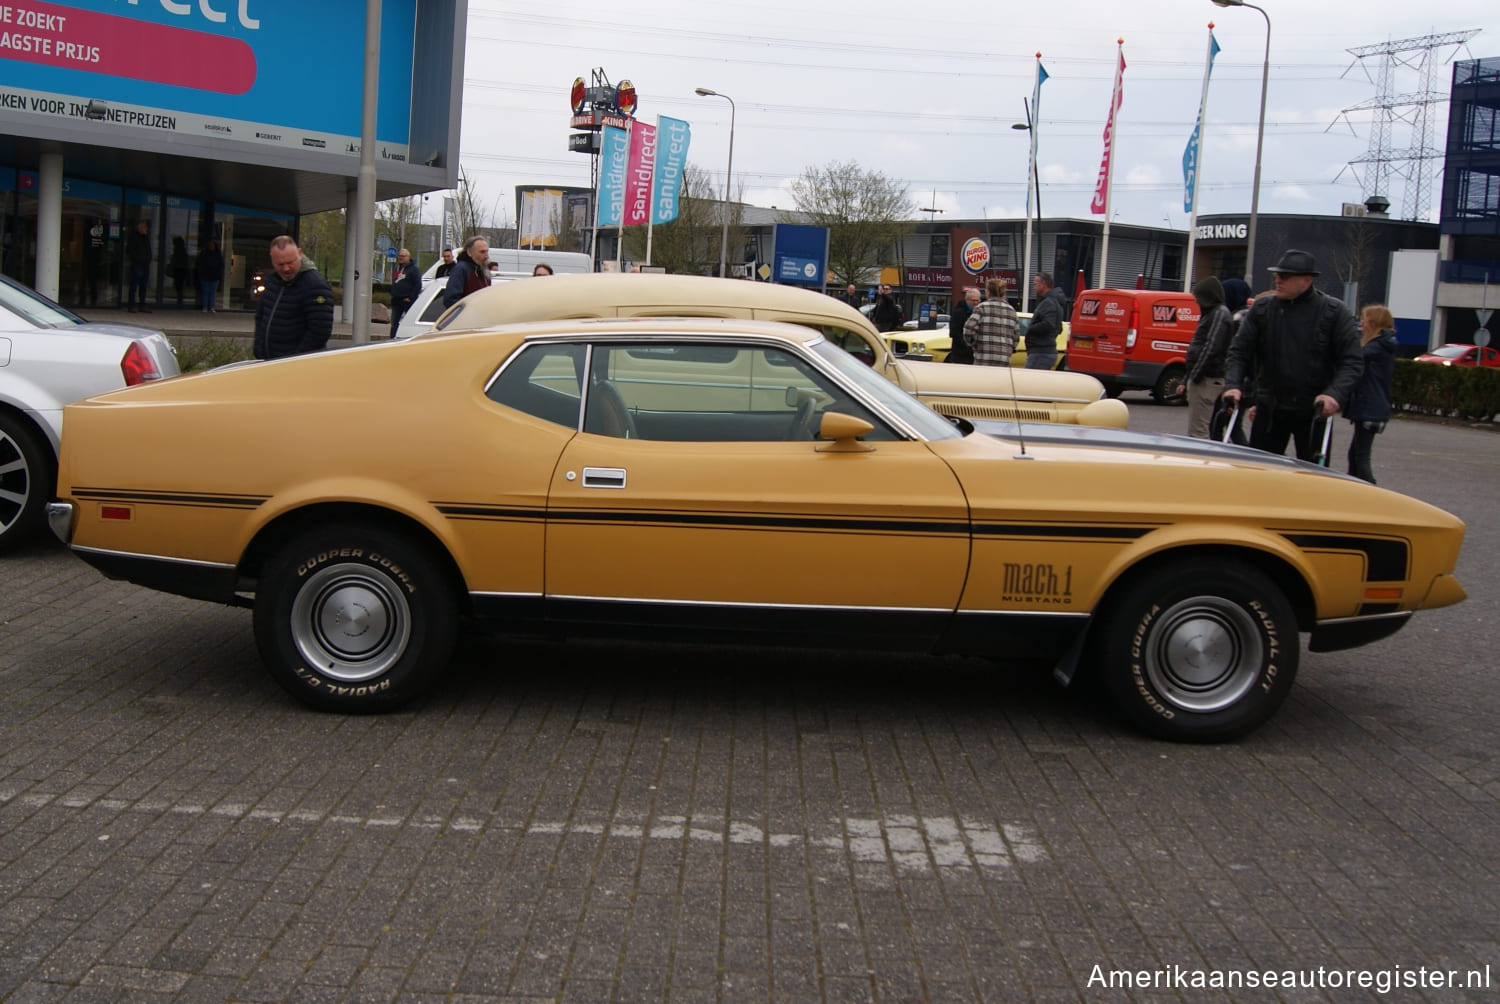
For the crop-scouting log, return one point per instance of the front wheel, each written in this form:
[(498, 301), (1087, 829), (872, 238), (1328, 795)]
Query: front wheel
[(354, 619), (26, 480), (1199, 651)]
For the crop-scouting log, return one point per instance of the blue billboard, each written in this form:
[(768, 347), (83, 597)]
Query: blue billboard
[(285, 73), (800, 254)]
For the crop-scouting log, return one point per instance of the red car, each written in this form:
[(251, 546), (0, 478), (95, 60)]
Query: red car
[(1459, 354)]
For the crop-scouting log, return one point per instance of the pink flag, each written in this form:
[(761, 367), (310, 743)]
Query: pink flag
[(638, 178), (1101, 187)]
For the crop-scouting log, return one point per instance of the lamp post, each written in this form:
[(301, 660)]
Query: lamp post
[(1032, 183), (1260, 135), (728, 173)]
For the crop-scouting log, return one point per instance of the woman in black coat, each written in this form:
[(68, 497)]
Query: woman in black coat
[(1370, 401)]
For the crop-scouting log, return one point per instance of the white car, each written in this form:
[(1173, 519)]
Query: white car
[(428, 307), (50, 357)]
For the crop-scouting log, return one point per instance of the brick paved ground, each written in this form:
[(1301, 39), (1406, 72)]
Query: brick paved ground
[(587, 823)]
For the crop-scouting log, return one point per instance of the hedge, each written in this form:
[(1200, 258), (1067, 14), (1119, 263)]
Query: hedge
[(1468, 392)]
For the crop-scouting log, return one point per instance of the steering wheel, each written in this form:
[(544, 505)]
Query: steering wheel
[(802, 421)]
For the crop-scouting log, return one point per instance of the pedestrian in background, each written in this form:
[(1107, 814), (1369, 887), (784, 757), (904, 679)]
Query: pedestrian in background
[(138, 258), (1237, 294), (208, 270), (446, 266), (992, 329), (959, 349), (406, 288), (541, 268), (1046, 325), (1370, 402), (1206, 354), (295, 313), (470, 272), (852, 297), (887, 315), (1301, 349)]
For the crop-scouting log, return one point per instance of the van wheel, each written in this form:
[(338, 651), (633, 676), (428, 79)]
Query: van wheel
[(1165, 391)]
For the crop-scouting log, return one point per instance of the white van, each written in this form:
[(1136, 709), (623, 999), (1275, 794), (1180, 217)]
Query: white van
[(513, 262)]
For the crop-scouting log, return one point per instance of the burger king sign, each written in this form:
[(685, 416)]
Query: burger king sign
[(975, 255)]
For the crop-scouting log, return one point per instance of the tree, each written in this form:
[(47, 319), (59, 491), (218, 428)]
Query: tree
[(395, 219), (690, 243), (321, 237), (866, 213), (469, 208)]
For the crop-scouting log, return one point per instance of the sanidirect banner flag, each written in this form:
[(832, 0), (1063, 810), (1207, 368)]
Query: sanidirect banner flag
[(1101, 187), (1190, 155), (1036, 119), (672, 136), (614, 157), (642, 169)]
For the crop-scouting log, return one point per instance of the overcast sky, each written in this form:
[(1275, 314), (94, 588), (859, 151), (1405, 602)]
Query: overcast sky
[(926, 92)]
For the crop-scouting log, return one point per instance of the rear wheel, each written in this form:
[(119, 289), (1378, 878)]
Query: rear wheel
[(26, 478), (1166, 390), (1199, 651), (355, 619)]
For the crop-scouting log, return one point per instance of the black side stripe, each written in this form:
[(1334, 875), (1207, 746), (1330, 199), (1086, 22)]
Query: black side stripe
[(1385, 560), (170, 498), (1060, 530)]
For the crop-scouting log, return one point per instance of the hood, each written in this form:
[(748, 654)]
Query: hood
[(1208, 292)]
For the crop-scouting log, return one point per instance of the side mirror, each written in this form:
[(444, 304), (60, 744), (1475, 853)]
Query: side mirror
[(843, 431)]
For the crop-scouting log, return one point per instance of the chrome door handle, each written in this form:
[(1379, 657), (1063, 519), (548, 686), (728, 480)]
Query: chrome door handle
[(604, 477)]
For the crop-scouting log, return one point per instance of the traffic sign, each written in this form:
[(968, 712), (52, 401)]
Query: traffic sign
[(1482, 337), (390, 254)]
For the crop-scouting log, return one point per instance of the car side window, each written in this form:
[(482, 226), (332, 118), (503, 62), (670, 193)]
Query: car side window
[(544, 381), (711, 392), (851, 342)]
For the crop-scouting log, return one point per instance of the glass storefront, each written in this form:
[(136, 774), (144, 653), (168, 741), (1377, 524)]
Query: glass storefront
[(98, 221)]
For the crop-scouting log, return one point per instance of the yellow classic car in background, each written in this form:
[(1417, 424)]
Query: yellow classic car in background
[(966, 392), (724, 480), (936, 343)]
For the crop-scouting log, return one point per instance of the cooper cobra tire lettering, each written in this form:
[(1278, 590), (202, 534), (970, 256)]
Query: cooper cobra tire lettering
[(355, 619), (1192, 650)]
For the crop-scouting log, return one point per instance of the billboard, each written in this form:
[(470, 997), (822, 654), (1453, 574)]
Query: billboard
[(265, 73), (800, 253)]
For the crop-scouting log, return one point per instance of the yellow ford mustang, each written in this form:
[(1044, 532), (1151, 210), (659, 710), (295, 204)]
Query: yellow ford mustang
[(974, 392), (724, 480)]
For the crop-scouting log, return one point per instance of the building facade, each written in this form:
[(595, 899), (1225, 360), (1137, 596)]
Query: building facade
[(1469, 250)]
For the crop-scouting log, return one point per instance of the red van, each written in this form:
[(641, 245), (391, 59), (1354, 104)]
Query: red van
[(1133, 338)]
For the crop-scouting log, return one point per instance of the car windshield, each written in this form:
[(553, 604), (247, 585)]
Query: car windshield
[(1450, 351), (928, 423), (34, 307)]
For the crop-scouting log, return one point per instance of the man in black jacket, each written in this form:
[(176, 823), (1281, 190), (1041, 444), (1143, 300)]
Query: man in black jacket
[(1046, 323), (1301, 348), (470, 273), (406, 288), (295, 313)]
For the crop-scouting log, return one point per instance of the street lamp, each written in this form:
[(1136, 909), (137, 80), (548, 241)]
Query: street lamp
[(728, 173), (1032, 183), (1260, 135)]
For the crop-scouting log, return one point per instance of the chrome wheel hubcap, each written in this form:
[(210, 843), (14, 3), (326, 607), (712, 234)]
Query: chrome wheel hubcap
[(1204, 654), (350, 622)]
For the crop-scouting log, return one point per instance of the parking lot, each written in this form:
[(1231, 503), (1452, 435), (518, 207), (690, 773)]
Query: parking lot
[(582, 822)]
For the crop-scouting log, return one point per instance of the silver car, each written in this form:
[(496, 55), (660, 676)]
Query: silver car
[(50, 357)]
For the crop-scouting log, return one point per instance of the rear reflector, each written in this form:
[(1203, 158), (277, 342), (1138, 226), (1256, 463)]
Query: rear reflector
[(138, 366)]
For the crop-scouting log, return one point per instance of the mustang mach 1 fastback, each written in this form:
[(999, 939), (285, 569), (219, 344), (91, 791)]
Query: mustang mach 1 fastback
[(724, 479)]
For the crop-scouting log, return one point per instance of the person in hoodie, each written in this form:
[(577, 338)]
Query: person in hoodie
[(1047, 318), (295, 313), (470, 272), (1370, 401), (1205, 355)]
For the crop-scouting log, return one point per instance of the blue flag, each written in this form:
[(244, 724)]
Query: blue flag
[(672, 136), (614, 157), (1036, 119), (1190, 155)]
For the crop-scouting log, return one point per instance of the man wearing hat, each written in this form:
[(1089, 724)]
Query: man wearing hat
[(1300, 350)]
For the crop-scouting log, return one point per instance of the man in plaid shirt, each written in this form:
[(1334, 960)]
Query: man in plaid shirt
[(992, 329)]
